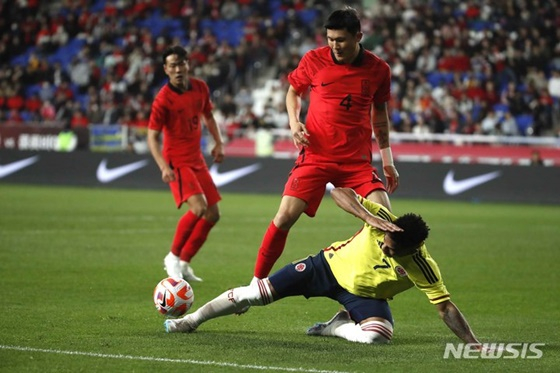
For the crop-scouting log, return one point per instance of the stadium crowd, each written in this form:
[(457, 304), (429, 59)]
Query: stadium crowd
[(469, 67)]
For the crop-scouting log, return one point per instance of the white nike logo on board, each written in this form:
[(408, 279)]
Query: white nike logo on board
[(106, 175), (227, 177), (452, 186), (10, 168)]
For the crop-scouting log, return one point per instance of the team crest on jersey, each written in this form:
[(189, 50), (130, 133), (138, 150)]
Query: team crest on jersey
[(300, 267), (401, 271), (366, 87)]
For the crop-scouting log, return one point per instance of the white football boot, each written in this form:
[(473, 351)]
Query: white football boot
[(172, 265), (182, 325), (187, 272), (326, 328)]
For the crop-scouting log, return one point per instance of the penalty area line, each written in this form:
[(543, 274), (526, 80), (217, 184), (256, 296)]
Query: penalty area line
[(166, 360)]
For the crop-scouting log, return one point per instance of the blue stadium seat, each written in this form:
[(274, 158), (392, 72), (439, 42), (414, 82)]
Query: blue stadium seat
[(524, 122), (501, 109), (308, 16), (32, 89), (97, 6), (23, 58)]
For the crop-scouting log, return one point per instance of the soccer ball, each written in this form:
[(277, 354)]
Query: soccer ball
[(173, 297)]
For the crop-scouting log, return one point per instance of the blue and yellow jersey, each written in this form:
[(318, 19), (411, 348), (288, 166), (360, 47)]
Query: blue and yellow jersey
[(361, 267)]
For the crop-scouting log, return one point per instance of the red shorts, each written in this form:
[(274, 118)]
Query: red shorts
[(189, 181), (308, 180)]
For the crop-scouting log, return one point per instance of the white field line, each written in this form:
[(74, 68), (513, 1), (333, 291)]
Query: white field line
[(167, 360)]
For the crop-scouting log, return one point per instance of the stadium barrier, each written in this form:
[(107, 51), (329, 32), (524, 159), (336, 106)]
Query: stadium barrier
[(442, 181)]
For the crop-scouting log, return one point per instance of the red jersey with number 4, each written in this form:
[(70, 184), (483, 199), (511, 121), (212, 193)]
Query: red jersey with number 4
[(341, 97), (178, 115)]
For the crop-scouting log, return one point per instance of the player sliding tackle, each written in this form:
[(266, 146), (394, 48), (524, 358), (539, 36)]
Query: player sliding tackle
[(385, 257)]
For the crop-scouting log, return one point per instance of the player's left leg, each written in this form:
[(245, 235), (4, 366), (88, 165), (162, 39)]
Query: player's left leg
[(342, 326), (207, 204), (196, 240), (373, 317), (258, 293)]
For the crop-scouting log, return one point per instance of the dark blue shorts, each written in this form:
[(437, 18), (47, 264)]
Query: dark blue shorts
[(312, 277)]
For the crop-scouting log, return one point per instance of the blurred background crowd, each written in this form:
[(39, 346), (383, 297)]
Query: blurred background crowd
[(466, 67)]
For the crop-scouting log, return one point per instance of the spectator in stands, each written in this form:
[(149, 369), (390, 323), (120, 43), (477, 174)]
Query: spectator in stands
[(33, 104), (78, 119), (508, 125), (335, 142), (47, 111), (489, 124), (515, 42), (94, 113), (513, 98), (536, 158), (420, 128), (554, 84), (80, 73)]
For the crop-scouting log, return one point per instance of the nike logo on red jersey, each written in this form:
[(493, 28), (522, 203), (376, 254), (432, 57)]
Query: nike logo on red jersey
[(323, 84)]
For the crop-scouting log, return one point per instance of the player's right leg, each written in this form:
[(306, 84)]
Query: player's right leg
[(185, 188), (185, 230), (275, 237), (206, 206), (258, 293)]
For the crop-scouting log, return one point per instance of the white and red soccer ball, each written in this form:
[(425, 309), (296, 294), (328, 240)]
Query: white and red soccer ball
[(173, 297)]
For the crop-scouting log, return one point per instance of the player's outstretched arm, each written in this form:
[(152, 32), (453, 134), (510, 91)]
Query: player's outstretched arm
[(347, 199), (167, 173), (381, 130), (454, 319), (218, 149), (293, 108)]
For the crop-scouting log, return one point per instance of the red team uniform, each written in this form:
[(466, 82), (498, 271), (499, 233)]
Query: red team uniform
[(178, 114), (339, 123)]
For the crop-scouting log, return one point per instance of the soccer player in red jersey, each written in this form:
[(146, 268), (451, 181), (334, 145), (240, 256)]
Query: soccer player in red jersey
[(349, 88), (178, 111)]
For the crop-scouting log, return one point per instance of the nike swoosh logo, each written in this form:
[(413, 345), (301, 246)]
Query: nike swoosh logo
[(452, 186), (106, 175), (10, 168), (323, 84), (227, 177)]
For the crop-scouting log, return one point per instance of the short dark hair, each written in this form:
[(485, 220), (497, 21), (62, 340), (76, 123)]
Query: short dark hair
[(176, 49), (415, 231), (344, 19)]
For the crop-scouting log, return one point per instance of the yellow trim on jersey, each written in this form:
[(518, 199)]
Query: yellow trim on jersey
[(360, 266)]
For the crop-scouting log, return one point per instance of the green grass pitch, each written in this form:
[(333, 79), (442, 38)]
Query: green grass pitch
[(78, 267)]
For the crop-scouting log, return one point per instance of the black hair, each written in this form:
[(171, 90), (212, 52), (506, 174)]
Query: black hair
[(415, 231), (176, 49), (344, 19)]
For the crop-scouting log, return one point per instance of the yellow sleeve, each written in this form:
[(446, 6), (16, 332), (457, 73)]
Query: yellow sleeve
[(377, 209), (424, 272)]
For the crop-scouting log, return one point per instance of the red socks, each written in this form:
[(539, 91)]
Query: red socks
[(184, 228), (271, 248), (196, 239)]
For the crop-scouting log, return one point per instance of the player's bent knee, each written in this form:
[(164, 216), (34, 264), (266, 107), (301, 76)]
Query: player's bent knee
[(377, 332)]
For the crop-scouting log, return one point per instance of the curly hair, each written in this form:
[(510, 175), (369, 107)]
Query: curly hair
[(415, 232)]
